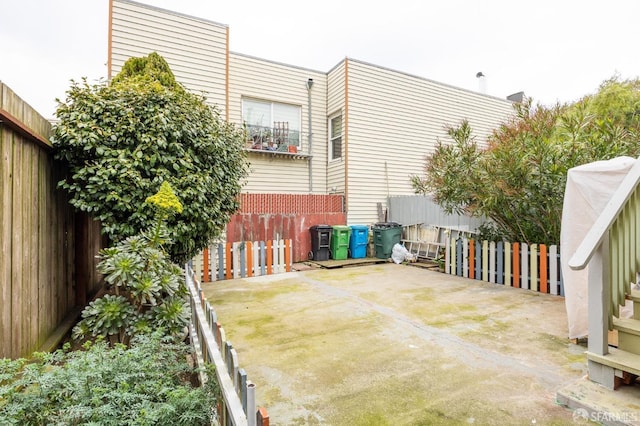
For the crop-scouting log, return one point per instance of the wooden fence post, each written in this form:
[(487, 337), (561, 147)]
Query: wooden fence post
[(472, 258), (205, 265), (533, 272), (516, 265), (249, 246), (544, 286)]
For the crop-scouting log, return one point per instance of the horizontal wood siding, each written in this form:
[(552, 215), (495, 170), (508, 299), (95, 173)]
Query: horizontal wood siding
[(395, 120), (38, 287), (194, 48), (335, 104), (260, 79)]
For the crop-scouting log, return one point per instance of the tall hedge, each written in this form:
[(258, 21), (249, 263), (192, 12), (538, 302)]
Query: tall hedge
[(122, 139)]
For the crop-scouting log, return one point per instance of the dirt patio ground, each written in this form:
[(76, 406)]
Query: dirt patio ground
[(394, 344)]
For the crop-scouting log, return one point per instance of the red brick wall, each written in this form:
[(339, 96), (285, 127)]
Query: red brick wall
[(270, 216), (290, 203)]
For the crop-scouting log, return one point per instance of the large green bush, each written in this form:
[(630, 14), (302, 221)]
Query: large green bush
[(146, 384), (519, 180), (121, 140)]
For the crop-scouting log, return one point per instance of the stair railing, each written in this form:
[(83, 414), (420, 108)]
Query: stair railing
[(610, 250)]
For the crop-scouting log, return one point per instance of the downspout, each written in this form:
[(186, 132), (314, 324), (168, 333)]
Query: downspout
[(346, 136), (226, 80), (309, 86)]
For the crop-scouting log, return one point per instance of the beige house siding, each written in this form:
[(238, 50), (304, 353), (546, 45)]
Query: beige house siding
[(395, 120), (194, 48), (391, 119), (335, 105), (255, 78)]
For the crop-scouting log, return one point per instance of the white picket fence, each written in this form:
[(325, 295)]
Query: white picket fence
[(535, 267), (224, 261)]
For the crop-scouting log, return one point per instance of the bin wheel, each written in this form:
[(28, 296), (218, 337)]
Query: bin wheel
[(311, 255)]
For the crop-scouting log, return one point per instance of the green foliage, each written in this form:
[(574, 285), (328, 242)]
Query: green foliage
[(122, 140), (617, 100), (519, 181), (450, 172), (146, 291), (146, 384), (148, 69)]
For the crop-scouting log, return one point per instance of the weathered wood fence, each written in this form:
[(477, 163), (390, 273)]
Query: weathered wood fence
[(534, 267), (238, 393), (224, 261), (47, 253)]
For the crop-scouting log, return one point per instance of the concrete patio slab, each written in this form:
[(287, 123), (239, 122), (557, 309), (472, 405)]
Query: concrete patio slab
[(389, 344)]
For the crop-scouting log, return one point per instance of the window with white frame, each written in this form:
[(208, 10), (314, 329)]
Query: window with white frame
[(335, 137), (272, 125)]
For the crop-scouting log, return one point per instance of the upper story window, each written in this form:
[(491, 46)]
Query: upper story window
[(271, 125), (335, 137)]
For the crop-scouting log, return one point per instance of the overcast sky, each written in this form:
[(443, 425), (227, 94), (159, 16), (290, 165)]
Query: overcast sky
[(553, 50)]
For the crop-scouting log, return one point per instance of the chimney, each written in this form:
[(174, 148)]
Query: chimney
[(516, 97)]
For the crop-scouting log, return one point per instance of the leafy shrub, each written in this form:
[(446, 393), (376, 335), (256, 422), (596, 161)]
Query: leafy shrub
[(519, 180), (146, 384), (121, 140)]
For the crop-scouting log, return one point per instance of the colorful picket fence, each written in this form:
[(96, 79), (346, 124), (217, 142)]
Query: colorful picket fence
[(534, 267), (238, 405), (224, 261)]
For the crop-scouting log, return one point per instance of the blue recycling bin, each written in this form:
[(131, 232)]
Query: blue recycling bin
[(358, 241)]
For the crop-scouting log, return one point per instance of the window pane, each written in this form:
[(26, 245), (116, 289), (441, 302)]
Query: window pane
[(287, 113), (256, 113), (336, 137), (336, 126), (336, 148)]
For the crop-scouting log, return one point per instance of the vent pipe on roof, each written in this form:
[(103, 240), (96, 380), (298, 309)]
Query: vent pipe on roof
[(482, 82)]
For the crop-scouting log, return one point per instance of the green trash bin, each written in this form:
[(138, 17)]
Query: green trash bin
[(340, 242), (385, 236)]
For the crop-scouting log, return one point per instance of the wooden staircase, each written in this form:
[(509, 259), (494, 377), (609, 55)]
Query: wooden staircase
[(611, 248), (625, 359)]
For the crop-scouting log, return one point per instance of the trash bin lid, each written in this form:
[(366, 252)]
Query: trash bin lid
[(341, 228), (321, 227), (387, 225), (359, 227)]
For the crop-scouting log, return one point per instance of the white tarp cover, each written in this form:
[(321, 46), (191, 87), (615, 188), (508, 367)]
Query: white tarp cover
[(589, 189)]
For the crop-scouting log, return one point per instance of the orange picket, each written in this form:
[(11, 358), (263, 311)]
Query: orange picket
[(248, 247), (269, 258), (516, 265), (228, 273), (287, 255), (544, 285), (205, 265)]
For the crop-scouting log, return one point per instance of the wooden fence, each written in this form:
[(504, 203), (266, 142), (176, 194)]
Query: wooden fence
[(238, 393), (534, 267), (47, 252), (224, 261)]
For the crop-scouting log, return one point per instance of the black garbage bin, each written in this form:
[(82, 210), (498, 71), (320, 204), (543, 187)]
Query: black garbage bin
[(320, 242), (385, 236)]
